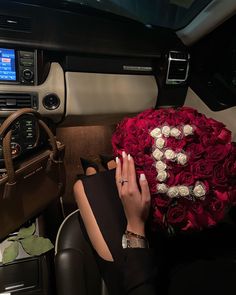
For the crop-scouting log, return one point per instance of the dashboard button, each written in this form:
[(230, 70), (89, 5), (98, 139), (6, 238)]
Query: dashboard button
[(28, 74), (51, 101), (26, 54), (27, 62)]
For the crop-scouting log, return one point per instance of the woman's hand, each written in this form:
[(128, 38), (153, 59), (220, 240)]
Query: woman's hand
[(136, 203)]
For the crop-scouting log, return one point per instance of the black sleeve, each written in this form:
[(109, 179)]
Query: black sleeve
[(140, 272)]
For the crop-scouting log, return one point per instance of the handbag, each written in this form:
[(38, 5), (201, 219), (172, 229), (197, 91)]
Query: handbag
[(29, 186)]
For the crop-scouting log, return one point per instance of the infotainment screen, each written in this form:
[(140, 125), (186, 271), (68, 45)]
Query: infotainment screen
[(7, 65)]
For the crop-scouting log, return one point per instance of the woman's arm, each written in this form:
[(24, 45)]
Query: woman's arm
[(136, 204), (139, 267)]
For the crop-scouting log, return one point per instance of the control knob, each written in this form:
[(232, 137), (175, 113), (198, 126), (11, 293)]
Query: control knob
[(28, 74)]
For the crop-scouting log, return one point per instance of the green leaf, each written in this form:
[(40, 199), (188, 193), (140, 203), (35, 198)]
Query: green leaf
[(10, 253), (34, 245), (26, 231), (13, 238)]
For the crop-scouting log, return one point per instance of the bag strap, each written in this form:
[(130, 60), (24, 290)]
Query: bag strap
[(6, 133), (13, 117)]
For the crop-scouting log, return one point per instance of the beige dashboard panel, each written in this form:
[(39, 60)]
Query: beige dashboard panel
[(107, 94), (53, 84)]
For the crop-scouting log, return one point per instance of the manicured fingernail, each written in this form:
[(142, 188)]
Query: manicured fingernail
[(117, 160), (123, 154), (142, 177), (129, 157)]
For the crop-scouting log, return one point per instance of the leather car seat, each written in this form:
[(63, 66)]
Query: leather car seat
[(75, 266)]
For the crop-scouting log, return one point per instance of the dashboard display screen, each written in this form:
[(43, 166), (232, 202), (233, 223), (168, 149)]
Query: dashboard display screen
[(7, 65)]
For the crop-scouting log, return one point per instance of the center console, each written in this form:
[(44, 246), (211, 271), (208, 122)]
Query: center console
[(18, 66), (29, 79)]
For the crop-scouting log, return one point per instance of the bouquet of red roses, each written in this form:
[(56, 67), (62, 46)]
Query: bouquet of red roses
[(189, 162)]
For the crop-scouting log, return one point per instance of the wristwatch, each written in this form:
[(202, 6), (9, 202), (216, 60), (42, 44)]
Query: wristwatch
[(132, 240)]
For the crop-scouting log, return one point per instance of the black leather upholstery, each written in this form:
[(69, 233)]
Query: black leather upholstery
[(76, 269)]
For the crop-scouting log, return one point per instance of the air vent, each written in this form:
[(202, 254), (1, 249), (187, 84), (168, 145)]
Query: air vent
[(15, 23), (178, 66), (14, 101)]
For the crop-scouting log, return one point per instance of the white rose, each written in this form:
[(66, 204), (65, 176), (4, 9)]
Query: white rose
[(175, 132), (156, 132), (183, 191), (188, 130), (162, 175), (165, 131), (181, 158), (173, 192), (157, 154), (160, 142), (162, 188), (170, 155), (199, 191), (160, 166)]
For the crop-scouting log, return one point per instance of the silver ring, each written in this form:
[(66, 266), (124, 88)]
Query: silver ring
[(122, 181)]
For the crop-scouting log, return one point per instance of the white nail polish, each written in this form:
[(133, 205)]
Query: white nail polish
[(123, 154), (142, 177), (117, 160), (129, 157)]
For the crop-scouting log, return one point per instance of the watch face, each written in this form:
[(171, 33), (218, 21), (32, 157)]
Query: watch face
[(124, 242)]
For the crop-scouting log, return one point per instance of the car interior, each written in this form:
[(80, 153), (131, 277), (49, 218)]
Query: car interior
[(79, 67)]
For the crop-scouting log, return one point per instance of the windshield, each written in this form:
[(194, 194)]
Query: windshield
[(173, 14)]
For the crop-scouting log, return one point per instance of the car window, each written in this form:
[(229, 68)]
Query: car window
[(173, 14)]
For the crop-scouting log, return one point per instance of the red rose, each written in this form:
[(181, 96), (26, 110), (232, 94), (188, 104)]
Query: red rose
[(217, 209), (219, 179), (171, 178), (176, 215), (180, 117), (148, 114), (131, 146), (201, 122), (144, 160), (185, 178), (202, 169), (215, 124), (211, 162), (161, 200), (217, 152), (145, 142), (150, 173), (223, 196), (190, 113), (175, 169), (191, 223), (164, 116), (230, 163), (197, 207), (176, 145), (195, 151), (224, 136), (208, 139)]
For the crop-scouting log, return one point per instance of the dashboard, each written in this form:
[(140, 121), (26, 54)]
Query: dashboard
[(81, 68)]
